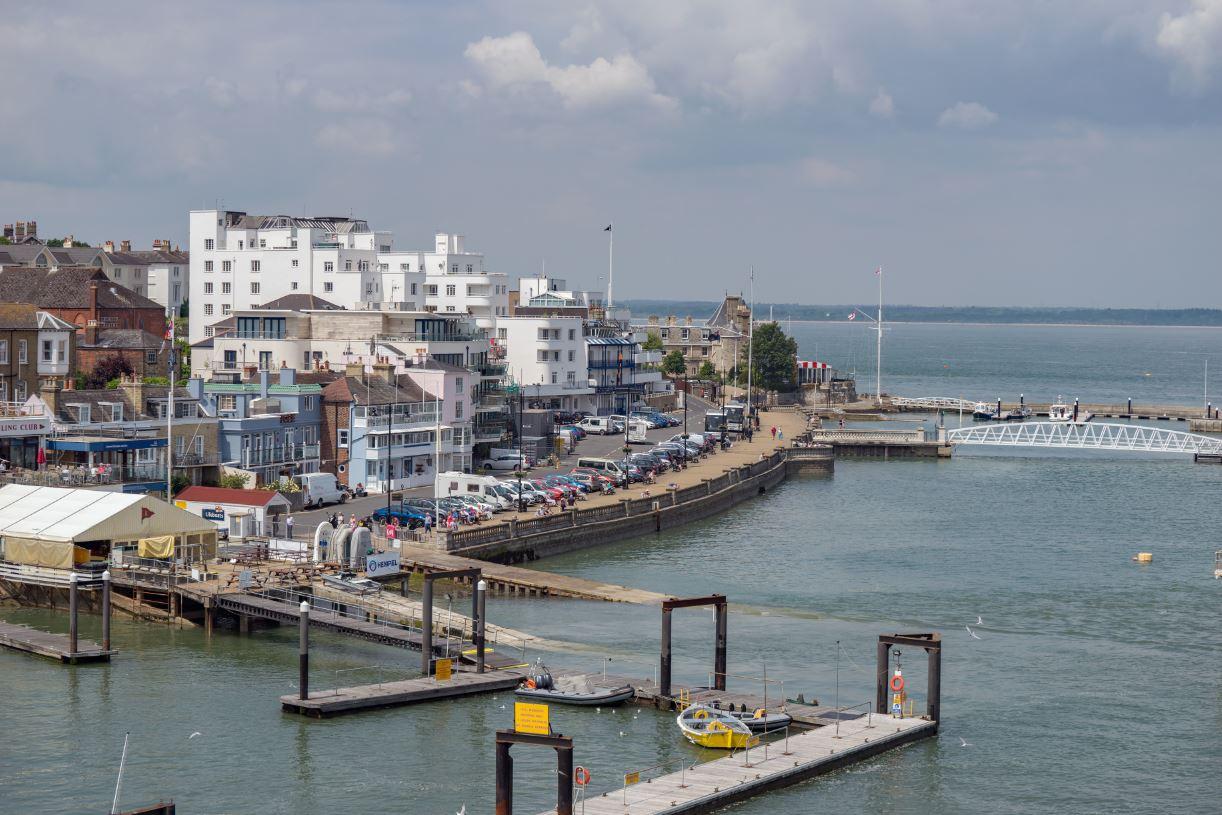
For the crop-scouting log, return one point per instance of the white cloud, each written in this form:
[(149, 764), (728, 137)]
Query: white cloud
[(823, 173), (967, 115), (513, 63), (357, 101), (1194, 41), (371, 137), (882, 105)]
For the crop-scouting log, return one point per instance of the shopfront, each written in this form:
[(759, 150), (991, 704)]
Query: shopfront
[(20, 438)]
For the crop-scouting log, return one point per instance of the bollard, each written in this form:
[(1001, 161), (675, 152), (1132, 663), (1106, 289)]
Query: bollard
[(426, 629), (106, 610), (1130, 410), (303, 652), (72, 601), (481, 591)]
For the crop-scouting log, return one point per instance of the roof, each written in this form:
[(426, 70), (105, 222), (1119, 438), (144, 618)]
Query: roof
[(300, 302), (68, 287), (608, 341), (329, 223), (74, 255), (19, 254), (124, 338), (100, 396), (59, 514), (18, 316), (374, 391), (223, 495)]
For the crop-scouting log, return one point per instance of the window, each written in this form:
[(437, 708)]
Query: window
[(572, 377), (226, 265), (328, 266), (208, 308), (226, 287), (207, 265), (413, 288), (458, 384), (363, 265), (683, 334), (295, 263), (265, 360), (19, 392), (572, 356), (118, 272), (254, 288), (209, 244), (176, 268), (451, 308), (554, 377), (208, 331), (23, 355), (3, 391), (254, 305), (3, 352), (341, 437), (383, 267), (470, 268), (307, 403), (262, 243), (502, 333), (150, 357), (328, 286), (239, 244), (454, 269), (48, 351), (458, 410), (451, 291), (572, 333), (431, 290), (368, 287), (347, 265), (224, 308), (403, 267), (227, 402), (293, 285), (208, 288), (254, 265)]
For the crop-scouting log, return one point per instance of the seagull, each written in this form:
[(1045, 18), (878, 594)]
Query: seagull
[(462, 810), (502, 707), (978, 620), (970, 631), (963, 742), (622, 733), (193, 735), (598, 710)]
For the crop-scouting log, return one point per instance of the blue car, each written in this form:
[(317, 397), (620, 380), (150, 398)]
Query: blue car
[(403, 516)]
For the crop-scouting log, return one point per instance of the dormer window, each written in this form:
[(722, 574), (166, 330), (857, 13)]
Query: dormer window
[(80, 413)]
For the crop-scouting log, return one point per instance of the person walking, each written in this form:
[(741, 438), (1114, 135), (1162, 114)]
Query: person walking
[(774, 432), (288, 525), (392, 533), (780, 435), (428, 523)]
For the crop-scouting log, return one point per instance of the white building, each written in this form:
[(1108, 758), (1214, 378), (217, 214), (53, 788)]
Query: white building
[(239, 261), (547, 357), (543, 293), (450, 280), (163, 274)]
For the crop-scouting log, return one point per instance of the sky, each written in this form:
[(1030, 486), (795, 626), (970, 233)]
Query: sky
[(1049, 152)]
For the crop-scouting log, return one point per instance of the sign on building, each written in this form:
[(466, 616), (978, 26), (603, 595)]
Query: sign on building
[(381, 563)]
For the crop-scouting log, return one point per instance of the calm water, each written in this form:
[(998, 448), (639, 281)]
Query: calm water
[(1094, 686)]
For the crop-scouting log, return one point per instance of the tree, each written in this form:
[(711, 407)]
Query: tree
[(179, 483), (653, 342), (707, 371), (109, 368), (774, 362), (233, 481), (673, 363)]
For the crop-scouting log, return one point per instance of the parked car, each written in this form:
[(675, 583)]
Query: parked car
[(566, 417), (503, 461), (577, 431), (598, 425), (403, 516)]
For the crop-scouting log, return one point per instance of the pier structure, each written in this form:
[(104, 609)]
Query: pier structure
[(885, 444), (68, 648)]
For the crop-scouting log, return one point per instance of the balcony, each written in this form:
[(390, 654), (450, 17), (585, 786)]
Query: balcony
[(431, 336), (82, 476), (491, 371), (278, 454), (399, 421), (21, 409)]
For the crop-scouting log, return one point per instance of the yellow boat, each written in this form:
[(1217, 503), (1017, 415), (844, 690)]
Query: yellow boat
[(706, 726)]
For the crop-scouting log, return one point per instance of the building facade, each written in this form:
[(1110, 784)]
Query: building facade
[(34, 345), (162, 274), (81, 295), (448, 280)]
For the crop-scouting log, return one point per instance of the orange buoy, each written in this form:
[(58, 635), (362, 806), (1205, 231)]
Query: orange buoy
[(897, 683)]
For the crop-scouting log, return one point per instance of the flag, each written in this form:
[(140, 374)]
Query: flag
[(878, 271), (852, 315), (608, 229), (168, 337)]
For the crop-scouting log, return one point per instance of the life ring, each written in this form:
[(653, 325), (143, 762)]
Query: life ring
[(897, 683), (700, 714), (582, 776)]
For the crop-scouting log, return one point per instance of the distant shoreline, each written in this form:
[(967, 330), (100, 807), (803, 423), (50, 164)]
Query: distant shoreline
[(965, 315)]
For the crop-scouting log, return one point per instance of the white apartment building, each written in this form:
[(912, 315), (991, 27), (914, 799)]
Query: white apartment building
[(449, 280), (543, 292), (163, 274), (238, 261), (547, 357)]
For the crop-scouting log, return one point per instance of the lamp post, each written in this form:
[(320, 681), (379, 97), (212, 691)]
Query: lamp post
[(626, 447), (521, 451), (687, 391)]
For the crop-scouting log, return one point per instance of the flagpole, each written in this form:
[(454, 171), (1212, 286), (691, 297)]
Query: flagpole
[(611, 268), (878, 370), (750, 344), (169, 412)]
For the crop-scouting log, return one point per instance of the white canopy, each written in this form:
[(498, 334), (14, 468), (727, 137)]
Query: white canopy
[(71, 515)]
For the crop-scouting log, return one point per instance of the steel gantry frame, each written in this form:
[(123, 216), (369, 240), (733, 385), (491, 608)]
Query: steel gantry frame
[(1089, 436)]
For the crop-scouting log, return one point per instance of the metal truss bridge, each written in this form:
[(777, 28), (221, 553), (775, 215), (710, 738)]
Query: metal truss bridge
[(1089, 436), (932, 403)]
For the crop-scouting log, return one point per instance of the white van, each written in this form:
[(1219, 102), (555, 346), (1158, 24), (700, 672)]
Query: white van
[(603, 465), (320, 488), (483, 487), (600, 425), (638, 430), (503, 461)]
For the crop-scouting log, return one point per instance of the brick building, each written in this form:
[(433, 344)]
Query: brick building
[(80, 295), (33, 345), (145, 354)]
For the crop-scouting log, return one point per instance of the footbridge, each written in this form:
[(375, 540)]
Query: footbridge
[(1089, 436), (929, 403)]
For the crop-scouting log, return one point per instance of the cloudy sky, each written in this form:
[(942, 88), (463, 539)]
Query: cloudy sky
[(1051, 152)]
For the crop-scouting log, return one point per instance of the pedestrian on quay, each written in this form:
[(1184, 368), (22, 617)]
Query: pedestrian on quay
[(780, 436), (288, 525), (352, 521), (774, 432), (392, 533), (428, 523)]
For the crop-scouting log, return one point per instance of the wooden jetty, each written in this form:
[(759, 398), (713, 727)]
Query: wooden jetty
[(53, 646), (395, 694), (709, 786)]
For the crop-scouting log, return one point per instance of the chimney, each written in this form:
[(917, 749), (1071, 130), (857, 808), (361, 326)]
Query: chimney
[(133, 386), (108, 247), (384, 370), (69, 242), (356, 370), (125, 246), (93, 301), (91, 327), (50, 394)]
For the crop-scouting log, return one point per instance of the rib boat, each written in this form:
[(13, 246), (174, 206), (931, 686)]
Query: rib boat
[(579, 689)]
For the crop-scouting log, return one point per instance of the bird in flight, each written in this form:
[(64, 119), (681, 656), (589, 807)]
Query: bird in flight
[(970, 631)]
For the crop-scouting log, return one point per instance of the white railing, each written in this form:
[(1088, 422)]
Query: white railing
[(851, 436), (279, 454), (1091, 436), (21, 409), (932, 403)]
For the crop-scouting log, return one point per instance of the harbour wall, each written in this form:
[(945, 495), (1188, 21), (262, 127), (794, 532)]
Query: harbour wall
[(661, 509)]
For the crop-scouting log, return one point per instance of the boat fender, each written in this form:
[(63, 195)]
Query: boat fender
[(530, 684), (897, 683), (759, 713)]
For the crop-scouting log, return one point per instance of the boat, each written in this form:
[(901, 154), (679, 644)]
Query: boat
[(706, 726), (760, 721), (576, 689), (351, 582), (1062, 413), (1019, 414), (983, 413)]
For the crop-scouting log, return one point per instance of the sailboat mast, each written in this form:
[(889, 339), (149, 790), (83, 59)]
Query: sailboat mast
[(878, 369), (750, 345), (114, 805)]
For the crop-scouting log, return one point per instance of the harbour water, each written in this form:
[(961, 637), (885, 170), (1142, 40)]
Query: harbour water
[(1093, 685)]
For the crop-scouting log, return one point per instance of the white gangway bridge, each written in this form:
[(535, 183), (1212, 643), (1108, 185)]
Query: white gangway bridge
[(932, 403), (1090, 436)]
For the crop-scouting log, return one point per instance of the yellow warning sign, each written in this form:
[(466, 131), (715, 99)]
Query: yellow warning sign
[(531, 718), (444, 670), (180, 504), (632, 778)]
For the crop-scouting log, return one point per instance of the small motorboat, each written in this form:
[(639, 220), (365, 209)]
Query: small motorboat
[(1019, 414), (706, 726), (1062, 413), (761, 721), (576, 689), (983, 413)]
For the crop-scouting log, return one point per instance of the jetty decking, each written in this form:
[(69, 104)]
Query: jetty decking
[(53, 646), (714, 784), (322, 704)]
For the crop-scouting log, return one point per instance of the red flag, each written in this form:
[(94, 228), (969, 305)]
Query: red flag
[(146, 513), (42, 456), (878, 271)]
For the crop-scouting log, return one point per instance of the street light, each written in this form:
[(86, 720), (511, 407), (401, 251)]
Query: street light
[(521, 451), (687, 392)]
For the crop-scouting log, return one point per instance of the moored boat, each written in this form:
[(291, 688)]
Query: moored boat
[(760, 721), (706, 726), (578, 689), (983, 413), (1062, 413)]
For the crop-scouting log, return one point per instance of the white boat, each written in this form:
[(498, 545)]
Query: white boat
[(1062, 413)]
